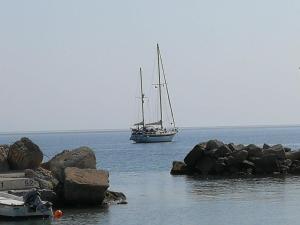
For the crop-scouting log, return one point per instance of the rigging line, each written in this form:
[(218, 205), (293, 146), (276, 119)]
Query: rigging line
[(164, 75)]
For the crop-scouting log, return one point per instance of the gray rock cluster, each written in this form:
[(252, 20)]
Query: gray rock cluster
[(218, 159), (70, 177)]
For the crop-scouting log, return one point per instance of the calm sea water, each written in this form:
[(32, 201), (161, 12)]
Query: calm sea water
[(155, 197)]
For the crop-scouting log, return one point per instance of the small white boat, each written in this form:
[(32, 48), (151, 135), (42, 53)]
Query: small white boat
[(155, 131), (15, 207)]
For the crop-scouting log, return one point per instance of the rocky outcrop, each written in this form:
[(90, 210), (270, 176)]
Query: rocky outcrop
[(4, 166), (24, 154), (70, 177), (85, 186), (218, 159), (83, 158)]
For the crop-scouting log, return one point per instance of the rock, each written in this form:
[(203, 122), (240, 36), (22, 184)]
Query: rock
[(112, 197), (293, 155), (213, 144), (4, 166), (295, 167), (44, 177), (220, 165), (179, 168), (24, 154), (205, 165), (276, 150), (222, 151), (254, 151), (268, 164), (235, 148), (85, 186), (286, 149), (83, 158), (237, 157), (194, 155)]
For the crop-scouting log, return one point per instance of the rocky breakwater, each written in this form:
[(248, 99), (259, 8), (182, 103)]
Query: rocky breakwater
[(214, 158), (69, 178)]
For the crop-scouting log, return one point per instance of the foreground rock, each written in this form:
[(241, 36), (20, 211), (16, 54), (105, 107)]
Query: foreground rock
[(218, 159), (85, 186), (24, 154), (83, 158), (70, 177)]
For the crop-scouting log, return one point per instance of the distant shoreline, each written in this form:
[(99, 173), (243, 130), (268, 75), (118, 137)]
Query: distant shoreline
[(128, 130)]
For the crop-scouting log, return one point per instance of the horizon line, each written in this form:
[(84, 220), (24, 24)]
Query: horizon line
[(128, 129)]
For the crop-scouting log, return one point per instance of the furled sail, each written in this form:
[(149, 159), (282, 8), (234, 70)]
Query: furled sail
[(139, 124), (155, 123)]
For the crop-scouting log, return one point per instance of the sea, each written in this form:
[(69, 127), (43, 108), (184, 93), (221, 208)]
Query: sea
[(142, 173)]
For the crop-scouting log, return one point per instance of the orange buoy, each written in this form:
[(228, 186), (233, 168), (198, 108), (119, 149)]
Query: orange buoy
[(58, 214)]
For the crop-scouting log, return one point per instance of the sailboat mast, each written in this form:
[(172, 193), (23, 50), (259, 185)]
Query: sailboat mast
[(165, 81), (159, 86), (142, 98)]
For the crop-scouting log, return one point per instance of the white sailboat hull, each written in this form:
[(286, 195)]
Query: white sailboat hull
[(152, 138)]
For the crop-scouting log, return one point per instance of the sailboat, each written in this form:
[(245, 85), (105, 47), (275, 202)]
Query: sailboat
[(154, 131)]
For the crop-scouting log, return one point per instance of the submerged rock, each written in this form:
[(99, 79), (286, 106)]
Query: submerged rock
[(24, 154), (179, 168), (85, 186)]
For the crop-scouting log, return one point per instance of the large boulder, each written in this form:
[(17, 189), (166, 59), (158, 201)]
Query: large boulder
[(213, 144), (85, 186), (194, 155), (276, 151), (4, 166), (82, 157), (254, 151), (24, 154)]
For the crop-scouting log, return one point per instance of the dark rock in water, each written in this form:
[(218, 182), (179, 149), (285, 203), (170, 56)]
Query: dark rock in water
[(44, 177), (254, 151), (266, 146), (4, 166), (295, 167), (222, 151), (205, 165), (216, 158), (112, 197), (85, 186), (220, 165), (235, 148), (194, 155), (276, 151), (293, 155), (237, 157), (24, 154), (179, 168), (83, 158), (213, 144)]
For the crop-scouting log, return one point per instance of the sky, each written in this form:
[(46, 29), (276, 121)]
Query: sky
[(72, 65)]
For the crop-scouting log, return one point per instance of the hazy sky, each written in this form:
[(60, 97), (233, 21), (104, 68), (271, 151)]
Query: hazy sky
[(68, 65)]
